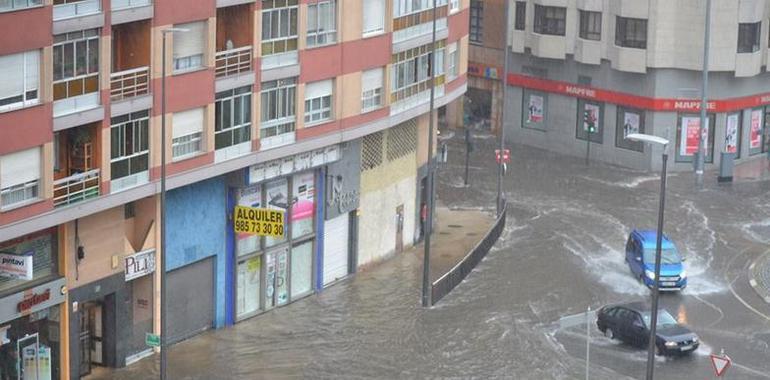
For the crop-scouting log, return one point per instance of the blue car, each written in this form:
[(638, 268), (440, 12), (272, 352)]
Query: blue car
[(640, 256)]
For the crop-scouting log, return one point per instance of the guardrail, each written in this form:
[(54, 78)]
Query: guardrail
[(129, 83), (76, 188), (233, 61), (123, 4), (75, 9), (457, 274)]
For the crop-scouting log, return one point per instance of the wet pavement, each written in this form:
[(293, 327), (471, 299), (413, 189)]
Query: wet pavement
[(561, 252)]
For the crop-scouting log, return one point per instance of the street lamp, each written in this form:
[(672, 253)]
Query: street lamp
[(163, 298), (659, 239)]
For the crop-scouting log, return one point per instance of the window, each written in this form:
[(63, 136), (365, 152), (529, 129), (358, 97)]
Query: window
[(318, 101), (187, 130), (631, 32), (521, 15), (748, 37), (407, 7), (189, 46), (279, 26), (19, 177), (371, 89), (19, 79), (629, 121), (550, 20), (733, 134), (591, 25), (374, 17), (75, 63), (411, 71), (12, 5), (687, 138), (453, 58), (535, 105), (477, 19), (232, 123), (454, 5), (321, 23), (129, 144), (278, 107)]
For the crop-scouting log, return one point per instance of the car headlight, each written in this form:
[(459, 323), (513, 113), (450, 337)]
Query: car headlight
[(650, 274), (683, 274), (671, 344), (695, 339)]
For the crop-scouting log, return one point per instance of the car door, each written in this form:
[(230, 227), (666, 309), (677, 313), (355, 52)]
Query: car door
[(637, 332), (637, 267), (621, 324)]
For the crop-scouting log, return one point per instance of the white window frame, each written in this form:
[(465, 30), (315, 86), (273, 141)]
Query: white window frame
[(280, 95), (138, 119), (30, 93), (454, 6), (88, 39), (322, 34), (378, 27), (190, 143), (25, 191), (186, 63), (283, 34), (13, 6), (453, 61), (371, 93), (228, 99), (319, 102)]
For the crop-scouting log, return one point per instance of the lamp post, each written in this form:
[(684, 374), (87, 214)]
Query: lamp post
[(655, 140), (163, 300), (504, 82), (700, 158)]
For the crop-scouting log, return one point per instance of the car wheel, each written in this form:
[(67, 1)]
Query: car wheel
[(658, 351), (609, 333)]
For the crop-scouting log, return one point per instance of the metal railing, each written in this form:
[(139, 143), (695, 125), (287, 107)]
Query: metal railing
[(457, 274), (129, 83), (233, 61), (76, 188), (75, 9)]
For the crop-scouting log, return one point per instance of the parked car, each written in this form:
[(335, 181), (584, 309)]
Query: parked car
[(630, 323), (640, 256)]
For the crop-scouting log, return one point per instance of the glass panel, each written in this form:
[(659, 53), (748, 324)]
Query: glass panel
[(301, 269), (252, 197), (249, 286), (303, 204), (281, 277), (277, 197)]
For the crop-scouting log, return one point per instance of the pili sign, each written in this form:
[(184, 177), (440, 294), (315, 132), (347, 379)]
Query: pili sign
[(258, 221), (140, 264), (16, 266)]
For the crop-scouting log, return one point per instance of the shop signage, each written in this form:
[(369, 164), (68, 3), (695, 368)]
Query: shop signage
[(16, 266), (342, 198), (481, 70), (343, 181), (140, 264), (293, 164), (32, 300), (152, 340), (258, 221), (631, 100)]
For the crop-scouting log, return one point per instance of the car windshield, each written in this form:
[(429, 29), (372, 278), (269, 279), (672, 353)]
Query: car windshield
[(667, 256), (664, 318)]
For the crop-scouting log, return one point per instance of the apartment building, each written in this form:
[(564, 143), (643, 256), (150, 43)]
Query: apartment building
[(589, 72), (318, 108)]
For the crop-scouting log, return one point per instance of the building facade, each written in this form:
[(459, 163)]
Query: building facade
[(584, 74), (268, 103)]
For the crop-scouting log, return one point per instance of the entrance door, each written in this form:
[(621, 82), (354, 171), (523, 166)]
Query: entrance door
[(336, 248), (28, 349), (276, 278), (90, 338), (400, 229)]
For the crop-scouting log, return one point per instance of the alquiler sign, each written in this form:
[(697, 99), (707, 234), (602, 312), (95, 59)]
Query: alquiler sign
[(258, 221)]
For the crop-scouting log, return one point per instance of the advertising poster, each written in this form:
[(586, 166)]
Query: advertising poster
[(591, 118), (277, 198), (688, 143), (731, 133), (250, 197), (535, 109), (630, 124), (755, 139), (303, 204)]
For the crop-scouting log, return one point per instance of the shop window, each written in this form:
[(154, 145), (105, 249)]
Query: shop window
[(733, 134), (29, 346), (591, 25), (748, 37), (534, 110), (755, 131), (687, 137), (550, 20), (303, 204), (301, 269), (631, 32), (39, 250), (251, 196), (277, 198), (249, 287), (590, 121), (629, 121)]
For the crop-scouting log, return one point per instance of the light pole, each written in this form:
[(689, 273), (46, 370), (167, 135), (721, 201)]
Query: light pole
[(500, 192), (700, 159), (655, 140), (163, 301)]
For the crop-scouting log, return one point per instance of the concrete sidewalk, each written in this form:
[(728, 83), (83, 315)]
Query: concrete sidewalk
[(759, 276), (755, 170)]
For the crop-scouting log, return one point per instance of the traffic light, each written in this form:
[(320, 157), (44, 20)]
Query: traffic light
[(589, 122)]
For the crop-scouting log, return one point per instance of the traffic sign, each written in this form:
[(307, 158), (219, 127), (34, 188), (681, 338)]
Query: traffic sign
[(506, 155), (720, 363), (152, 340), (258, 221)]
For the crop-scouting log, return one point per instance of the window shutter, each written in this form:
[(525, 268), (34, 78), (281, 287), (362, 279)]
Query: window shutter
[(20, 167), (11, 75), (192, 42), (371, 79), (33, 69), (187, 122), (374, 12), (318, 89)]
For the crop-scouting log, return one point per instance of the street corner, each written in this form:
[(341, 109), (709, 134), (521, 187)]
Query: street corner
[(759, 276)]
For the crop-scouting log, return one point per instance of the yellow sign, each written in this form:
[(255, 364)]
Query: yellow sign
[(258, 221)]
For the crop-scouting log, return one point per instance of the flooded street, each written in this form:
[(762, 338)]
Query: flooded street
[(562, 251)]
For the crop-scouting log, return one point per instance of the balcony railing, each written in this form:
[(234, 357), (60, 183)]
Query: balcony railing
[(76, 9), (129, 83), (76, 188), (123, 4), (233, 61)]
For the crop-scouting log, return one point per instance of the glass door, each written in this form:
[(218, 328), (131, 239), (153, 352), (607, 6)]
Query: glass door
[(276, 278), (29, 363)]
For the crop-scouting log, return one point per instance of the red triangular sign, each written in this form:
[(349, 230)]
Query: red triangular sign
[(720, 363)]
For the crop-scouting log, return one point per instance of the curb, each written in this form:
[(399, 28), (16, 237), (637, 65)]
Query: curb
[(763, 290)]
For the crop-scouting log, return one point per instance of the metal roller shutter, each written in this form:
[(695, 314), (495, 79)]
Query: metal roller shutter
[(335, 249), (191, 300)]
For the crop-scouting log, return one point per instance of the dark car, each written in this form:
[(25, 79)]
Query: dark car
[(630, 323)]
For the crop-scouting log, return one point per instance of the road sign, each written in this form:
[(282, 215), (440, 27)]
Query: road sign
[(506, 155), (258, 221), (720, 363), (152, 340)]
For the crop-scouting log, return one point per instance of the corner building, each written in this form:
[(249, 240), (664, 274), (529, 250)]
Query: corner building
[(623, 66), (318, 108)]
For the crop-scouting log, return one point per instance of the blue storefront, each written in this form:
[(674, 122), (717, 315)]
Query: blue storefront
[(197, 265)]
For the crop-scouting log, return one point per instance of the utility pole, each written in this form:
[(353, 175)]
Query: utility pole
[(700, 158), (500, 193), (429, 203)]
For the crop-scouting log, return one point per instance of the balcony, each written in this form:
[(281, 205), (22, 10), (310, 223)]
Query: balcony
[(64, 9), (233, 61), (125, 4), (130, 83), (76, 188)]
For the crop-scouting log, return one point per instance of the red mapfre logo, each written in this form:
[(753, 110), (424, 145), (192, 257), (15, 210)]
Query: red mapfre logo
[(34, 299)]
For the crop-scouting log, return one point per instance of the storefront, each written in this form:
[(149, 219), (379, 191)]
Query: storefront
[(270, 271), (30, 311)]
